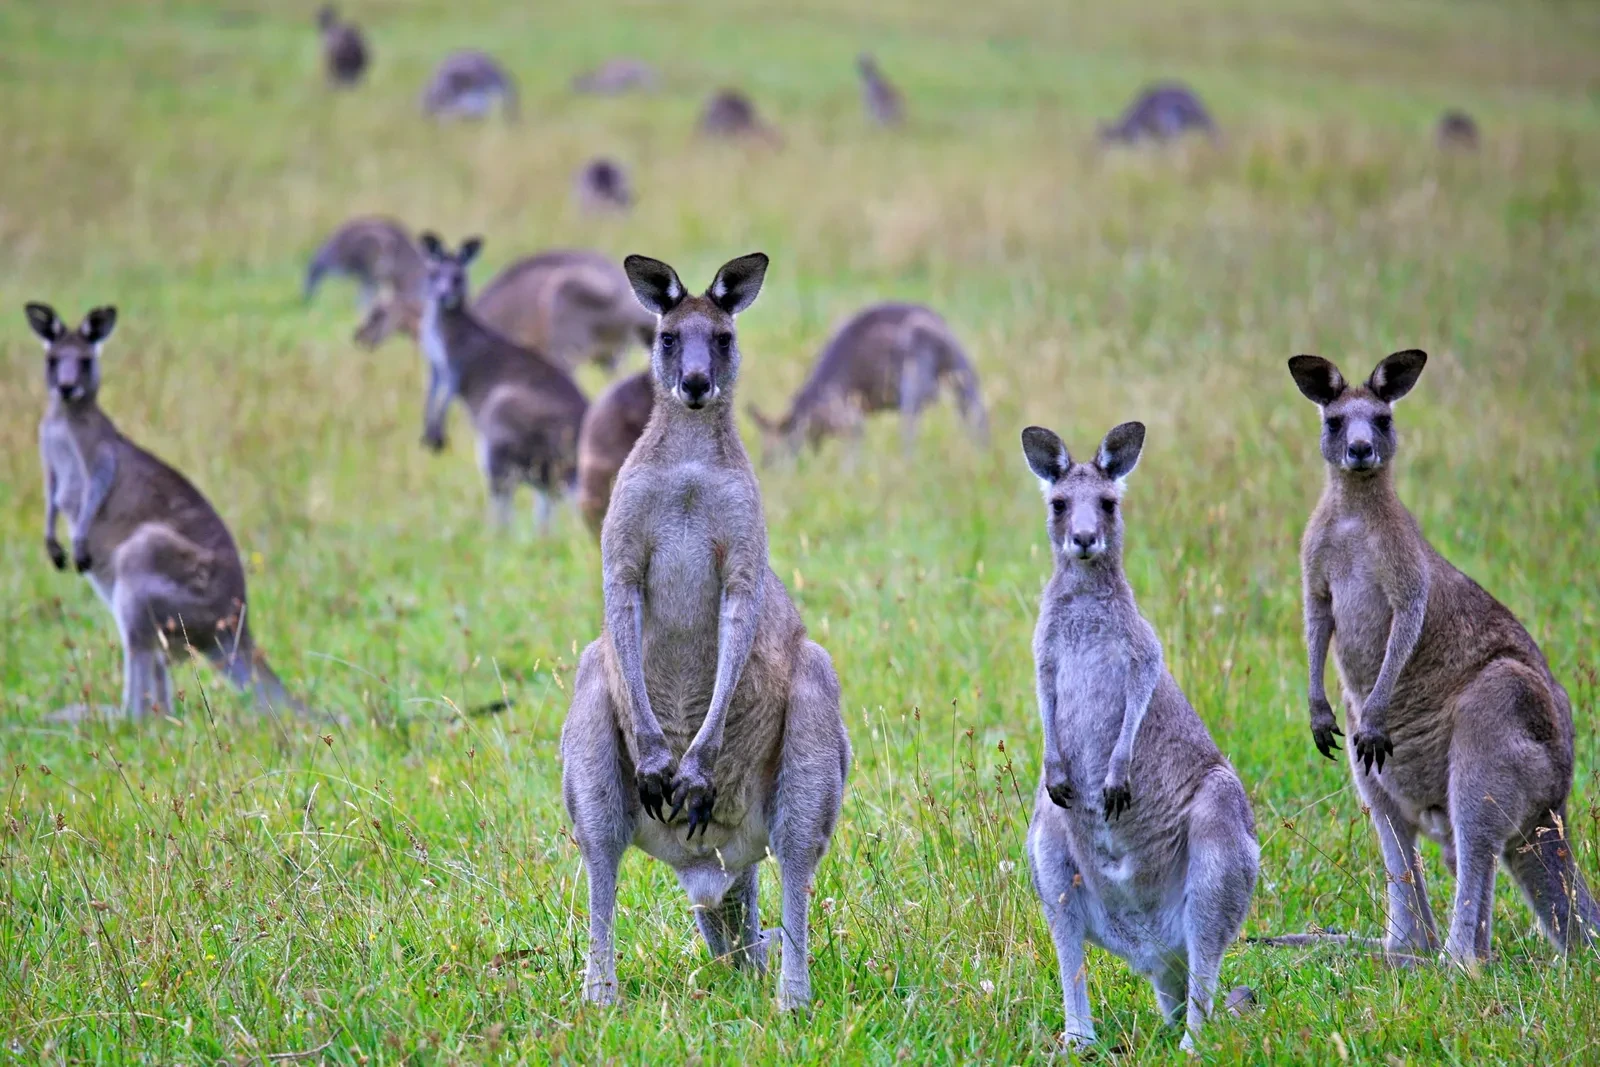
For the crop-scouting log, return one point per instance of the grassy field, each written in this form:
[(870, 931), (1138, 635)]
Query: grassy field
[(403, 888)]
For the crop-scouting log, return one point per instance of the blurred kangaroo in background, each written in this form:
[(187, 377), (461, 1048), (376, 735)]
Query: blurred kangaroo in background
[(1457, 129), (705, 728), (1447, 698), (150, 544), (730, 114), (601, 186), (616, 76), (613, 423), (379, 254), (887, 357), (467, 85), (525, 409), (1160, 113), (572, 305), (885, 106), (1142, 839), (344, 49)]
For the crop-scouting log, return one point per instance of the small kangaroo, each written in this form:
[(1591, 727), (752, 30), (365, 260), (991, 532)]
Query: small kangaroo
[(1160, 113), (887, 357), (616, 76), (380, 255), (1142, 838), (344, 49), (572, 305), (1457, 130), (1447, 697), (525, 409), (705, 728), (150, 544), (730, 114), (612, 424), (883, 102), (466, 85), (601, 186)]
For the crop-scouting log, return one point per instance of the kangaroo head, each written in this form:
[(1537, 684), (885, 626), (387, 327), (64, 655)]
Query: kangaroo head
[(385, 317), (72, 357), (695, 356), (1085, 516), (778, 439), (447, 271), (1358, 435)]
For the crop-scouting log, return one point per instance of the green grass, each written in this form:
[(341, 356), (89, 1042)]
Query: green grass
[(193, 889)]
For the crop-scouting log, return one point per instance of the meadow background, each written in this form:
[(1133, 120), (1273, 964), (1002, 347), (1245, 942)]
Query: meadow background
[(402, 889)]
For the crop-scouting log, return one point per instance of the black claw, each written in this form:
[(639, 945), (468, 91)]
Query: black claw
[(1117, 800), (651, 796), (1062, 795)]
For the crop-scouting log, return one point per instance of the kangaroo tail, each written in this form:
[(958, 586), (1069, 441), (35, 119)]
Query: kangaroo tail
[(314, 274), (250, 673), (1545, 869)]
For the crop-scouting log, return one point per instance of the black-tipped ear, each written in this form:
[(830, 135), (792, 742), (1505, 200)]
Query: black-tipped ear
[(431, 245), (469, 250), (1046, 454), (1394, 377), (98, 324), (45, 322), (1317, 378), (654, 283), (1119, 452), (737, 283)]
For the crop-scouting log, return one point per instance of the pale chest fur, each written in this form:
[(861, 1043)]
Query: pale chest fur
[(1093, 652), (62, 458), (431, 340), (1346, 562)]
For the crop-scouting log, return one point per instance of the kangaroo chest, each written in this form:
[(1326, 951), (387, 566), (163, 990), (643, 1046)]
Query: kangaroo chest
[(1091, 694), (1348, 560), (65, 464)]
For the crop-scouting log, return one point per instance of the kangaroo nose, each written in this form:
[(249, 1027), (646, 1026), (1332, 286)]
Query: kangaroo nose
[(1360, 451), (1083, 542), (695, 387)]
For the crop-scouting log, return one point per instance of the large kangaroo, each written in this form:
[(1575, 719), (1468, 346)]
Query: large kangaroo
[(705, 728), (525, 409), (611, 427), (887, 357), (1161, 113), (1458, 727), (379, 254), (1142, 839), (575, 306), (151, 546)]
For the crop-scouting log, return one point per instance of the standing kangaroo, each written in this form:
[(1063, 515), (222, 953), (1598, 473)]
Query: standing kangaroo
[(887, 357), (611, 427), (883, 102), (380, 255), (526, 410), (344, 48), (705, 728), (1161, 113), (1448, 698), (1142, 839), (151, 546)]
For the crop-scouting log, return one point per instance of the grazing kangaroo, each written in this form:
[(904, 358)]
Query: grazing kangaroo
[(1457, 129), (344, 49), (616, 76), (574, 306), (1458, 727), (1160, 113), (731, 114), (612, 424), (151, 546), (601, 186), (525, 409), (883, 101), (887, 357), (466, 85), (379, 254), (1142, 838), (705, 728)]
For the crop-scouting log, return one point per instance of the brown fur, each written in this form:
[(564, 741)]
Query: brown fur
[(572, 305), (613, 423), (616, 76), (380, 255), (345, 55), (883, 102), (1457, 129), (731, 114), (601, 186)]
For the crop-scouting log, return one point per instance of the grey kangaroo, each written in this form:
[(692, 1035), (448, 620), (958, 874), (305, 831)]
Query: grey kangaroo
[(1161, 113), (616, 76), (1457, 130), (344, 48), (887, 357), (1142, 839), (379, 254), (525, 409), (573, 305), (611, 427), (731, 114), (705, 728), (601, 186), (149, 543), (883, 102), (1458, 728), (467, 85)]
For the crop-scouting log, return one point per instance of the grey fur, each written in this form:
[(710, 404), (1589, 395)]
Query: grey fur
[(705, 728), (526, 410), (574, 305), (379, 254), (1160, 113), (615, 76), (1458, 728), (150, 544), (730, 113), (1142, 838), (601, 186), (467, 84), (345, 54), (883, 103)]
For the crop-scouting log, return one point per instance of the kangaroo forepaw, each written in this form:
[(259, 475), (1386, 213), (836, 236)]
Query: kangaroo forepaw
[(1117, 799), (80, 558), (1372, 746), (1324, 728), (654, 790), (58, 555), (1061, 793), (697, 798)]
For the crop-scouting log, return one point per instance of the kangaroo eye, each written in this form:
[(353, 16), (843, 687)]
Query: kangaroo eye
[(1058, 506), (52, 361), (1109, 506), (85, 362), (1335, 423), (724, 341), (668, 340), (1382, 423)]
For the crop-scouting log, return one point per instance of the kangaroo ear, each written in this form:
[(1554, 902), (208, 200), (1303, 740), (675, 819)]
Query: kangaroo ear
[(654, 283), (98, 324), (1046, 454), (1394, 377), (431, 245), (737, 283), (469, 250), (1317, 378), (45, 322), (1119, 452)]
